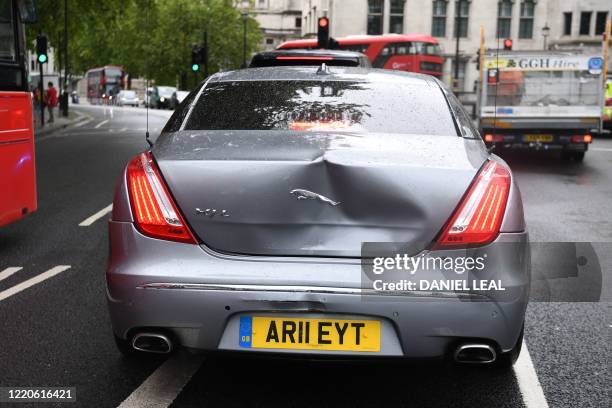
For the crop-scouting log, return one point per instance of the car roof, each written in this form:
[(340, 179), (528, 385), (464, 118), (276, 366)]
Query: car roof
[(314, 73), (309, 57), (365, 39), (320, 53)]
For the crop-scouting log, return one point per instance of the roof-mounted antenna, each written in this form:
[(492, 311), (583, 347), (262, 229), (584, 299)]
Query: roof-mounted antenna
[(323, 70), (147, 96)]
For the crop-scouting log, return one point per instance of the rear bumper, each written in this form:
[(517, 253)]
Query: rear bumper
[(199, 297)]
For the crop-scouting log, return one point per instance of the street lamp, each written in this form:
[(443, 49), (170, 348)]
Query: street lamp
[(245, 16), (545, 34)]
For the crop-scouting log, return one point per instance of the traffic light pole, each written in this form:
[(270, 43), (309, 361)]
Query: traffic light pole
[(41, 101), (65, 90), (457, 34), (205, 54)]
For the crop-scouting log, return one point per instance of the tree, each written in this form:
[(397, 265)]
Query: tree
[(151, 38)]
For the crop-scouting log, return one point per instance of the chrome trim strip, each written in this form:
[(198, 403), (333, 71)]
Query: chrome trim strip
[(309, 289)]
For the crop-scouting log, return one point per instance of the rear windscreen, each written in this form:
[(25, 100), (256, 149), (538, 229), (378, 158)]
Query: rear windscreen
[(388, 107)]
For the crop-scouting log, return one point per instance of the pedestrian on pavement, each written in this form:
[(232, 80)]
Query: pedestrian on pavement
[(36, 102), (51, 100)]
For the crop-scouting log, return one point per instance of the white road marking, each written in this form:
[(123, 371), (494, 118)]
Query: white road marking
[(33, 281), (601, 149), (101, 123), (9, 271), (90, 220), (165, 384), (123, 129), (533, 395), (84, 122)]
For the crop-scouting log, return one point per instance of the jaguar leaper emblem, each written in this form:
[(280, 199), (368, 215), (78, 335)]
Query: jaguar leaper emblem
[(302, 194)]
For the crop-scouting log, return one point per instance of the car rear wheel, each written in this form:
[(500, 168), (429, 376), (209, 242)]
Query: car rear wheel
[(125, 347), (577, 156), (507, 360)]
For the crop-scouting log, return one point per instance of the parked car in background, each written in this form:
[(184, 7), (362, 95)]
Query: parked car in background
[(166, 97), (180, 95), (161, 97), (128, 98)]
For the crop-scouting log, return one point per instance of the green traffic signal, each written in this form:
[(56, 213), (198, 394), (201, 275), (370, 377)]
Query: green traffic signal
[(42, 58), (195, 67)]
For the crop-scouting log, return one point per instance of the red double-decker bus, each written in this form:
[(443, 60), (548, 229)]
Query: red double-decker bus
[(104, 83), (17, 168), (404, 52)]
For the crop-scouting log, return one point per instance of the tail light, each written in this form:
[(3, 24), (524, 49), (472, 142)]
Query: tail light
[(493, 138), (582, 139), (155, 213), (478, 218)]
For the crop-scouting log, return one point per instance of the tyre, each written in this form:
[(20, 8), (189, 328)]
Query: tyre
[(578, 156), (507, 360), (125, 348)]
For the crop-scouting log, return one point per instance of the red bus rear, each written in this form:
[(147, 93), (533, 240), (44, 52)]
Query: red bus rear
[(411, 52), (17, 169)]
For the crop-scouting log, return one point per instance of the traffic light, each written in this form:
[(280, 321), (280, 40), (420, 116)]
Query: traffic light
[(508, 44), (195, 58), (323, 32), (41, 49)]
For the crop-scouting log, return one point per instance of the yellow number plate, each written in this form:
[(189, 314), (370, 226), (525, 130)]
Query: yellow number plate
[(539, 138), (309, 334)]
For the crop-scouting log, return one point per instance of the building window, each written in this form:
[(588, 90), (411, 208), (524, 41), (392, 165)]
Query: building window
[(396, 18), (375, 16), (438, 23), (585, 23), (526, 22), (504, 18), (298, 22), (461, 21), (600, 22), (567, 23)]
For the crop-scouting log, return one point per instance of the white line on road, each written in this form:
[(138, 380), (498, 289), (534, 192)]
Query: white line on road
[(90, 220), (84, 122), (123, 129), (533, 395), (101, 123), (601, 149), (33, 281), (9, 271), (165, 384)]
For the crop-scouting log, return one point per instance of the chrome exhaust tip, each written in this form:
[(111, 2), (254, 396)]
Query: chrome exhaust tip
[(473, 353), (152, 343)]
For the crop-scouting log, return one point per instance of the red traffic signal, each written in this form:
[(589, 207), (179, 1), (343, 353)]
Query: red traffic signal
[(508, 44), (323, 33)]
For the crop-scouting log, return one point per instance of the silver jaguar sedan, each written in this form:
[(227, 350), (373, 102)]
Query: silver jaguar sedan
[(320, 211)]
